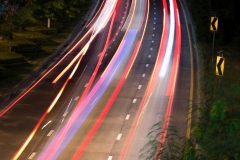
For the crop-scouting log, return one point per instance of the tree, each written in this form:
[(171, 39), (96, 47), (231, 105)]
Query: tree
[(57, 9)]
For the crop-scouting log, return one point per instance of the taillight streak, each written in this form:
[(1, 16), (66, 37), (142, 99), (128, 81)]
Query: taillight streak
[(24, 145), (151, 84)]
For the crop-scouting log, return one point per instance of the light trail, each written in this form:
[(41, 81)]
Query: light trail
[(173, 74), (170, 42), (151, 83), (81, 112), (98, 64), (40, 79), (111, 100), (24, 145), (101, 23), (100, 8)]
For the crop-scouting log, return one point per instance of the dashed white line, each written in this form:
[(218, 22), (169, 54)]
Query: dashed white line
[(149, 56), (147, 65), (119, 136), (143, 75), (110, 158), (140, 86), (65, 113), (76, 98), (127, 117), (32, 155), (50, 133), (134, 100)]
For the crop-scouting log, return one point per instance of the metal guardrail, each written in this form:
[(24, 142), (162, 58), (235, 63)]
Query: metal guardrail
[(15, 92)]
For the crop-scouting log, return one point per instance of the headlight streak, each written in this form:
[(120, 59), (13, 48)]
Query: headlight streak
[(100, 8), (24, 145), (98, 64), (59, 142), (101, 22), (111, 100), (40, 79), (174, 73), (151, 84), (170, 42)]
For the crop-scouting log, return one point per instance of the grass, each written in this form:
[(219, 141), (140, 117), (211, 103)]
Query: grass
[(31, 45)]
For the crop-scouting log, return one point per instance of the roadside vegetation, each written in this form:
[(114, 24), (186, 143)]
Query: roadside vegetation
[(26, 40), (215, 133)]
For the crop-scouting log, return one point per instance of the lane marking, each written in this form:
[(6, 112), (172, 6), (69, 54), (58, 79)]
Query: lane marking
[(50, 133), (143, 75), (147, 65), (119, 136), (65, 113), (86, 85), (32, 155), (76, 98), (46, 124), (110, 158), (191, 83), (140, 86), (127, 117), (134, 100), (149, 56)]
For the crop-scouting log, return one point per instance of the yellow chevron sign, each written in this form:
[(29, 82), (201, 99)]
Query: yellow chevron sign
[(214, 24), (220, 66)]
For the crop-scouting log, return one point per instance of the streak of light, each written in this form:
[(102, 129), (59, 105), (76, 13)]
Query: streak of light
[(24, 145), (174, 73), (95, 14), (97, 29), (60, 141), (107, 107), (98, 64), (170, 42), (150, 84)]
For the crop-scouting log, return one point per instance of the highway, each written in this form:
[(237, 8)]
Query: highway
[(135, 69)]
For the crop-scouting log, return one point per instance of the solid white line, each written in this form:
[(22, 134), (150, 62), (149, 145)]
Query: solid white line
[(110, 158), (32, 155), (50, 133), (140, 86), (119, 136), (143, 75), (127, 117), (134, 100)]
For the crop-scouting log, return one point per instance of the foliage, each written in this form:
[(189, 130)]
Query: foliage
[(171, 147), (57, 9)]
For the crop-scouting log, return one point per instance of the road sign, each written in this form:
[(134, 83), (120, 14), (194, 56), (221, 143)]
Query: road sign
[(220, 66), (214, 24)]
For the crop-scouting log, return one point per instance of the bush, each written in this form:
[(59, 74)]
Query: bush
[(26, 48)]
